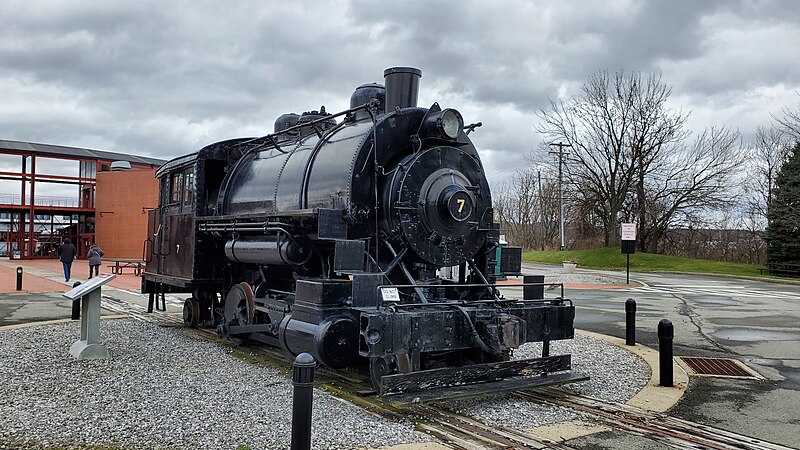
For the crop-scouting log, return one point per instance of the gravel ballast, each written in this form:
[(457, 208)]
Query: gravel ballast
[(162, 388), (615, 375)]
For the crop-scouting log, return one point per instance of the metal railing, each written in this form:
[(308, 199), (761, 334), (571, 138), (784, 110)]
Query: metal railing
[(40, 200), (466, 302)]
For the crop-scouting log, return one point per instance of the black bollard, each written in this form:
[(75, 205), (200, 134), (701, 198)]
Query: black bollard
[(76, 304), (303, 380), (630, 322), (19, 278), (665, 334)]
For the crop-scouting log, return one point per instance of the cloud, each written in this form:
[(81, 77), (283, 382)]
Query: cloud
[(165, 78)]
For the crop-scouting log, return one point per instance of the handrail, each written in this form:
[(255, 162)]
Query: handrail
[(463, 302)]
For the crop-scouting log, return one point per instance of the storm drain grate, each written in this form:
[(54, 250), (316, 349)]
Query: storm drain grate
[(718, 367)]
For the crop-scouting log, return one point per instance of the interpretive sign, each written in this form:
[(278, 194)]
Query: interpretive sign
[(89, 346)]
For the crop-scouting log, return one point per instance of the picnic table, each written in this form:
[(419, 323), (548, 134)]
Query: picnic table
[(120, 263)]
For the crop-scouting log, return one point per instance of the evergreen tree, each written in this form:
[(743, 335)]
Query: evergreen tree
[(783, 215)]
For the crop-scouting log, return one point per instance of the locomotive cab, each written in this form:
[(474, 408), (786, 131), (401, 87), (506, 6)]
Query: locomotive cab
[(174, 254)]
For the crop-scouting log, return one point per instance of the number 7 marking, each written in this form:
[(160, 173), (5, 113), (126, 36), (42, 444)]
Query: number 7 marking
[(461, 202)]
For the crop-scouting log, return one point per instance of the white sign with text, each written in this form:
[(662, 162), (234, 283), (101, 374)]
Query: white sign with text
[(628, 232)]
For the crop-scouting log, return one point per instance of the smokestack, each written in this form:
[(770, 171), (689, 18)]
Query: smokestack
[(402, 87)]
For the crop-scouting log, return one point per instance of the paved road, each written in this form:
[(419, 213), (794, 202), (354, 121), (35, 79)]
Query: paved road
[(754, 321)]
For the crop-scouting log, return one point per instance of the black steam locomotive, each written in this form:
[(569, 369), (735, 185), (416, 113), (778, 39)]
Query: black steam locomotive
[(328, 236)]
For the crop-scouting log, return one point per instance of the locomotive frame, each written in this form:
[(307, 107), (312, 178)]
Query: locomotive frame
[(328, 237)]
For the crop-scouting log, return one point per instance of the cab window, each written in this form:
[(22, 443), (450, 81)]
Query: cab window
[(188, 188), (176, 184)]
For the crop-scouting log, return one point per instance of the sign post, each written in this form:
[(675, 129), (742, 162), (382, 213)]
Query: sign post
[(89, 346), (628, 244)]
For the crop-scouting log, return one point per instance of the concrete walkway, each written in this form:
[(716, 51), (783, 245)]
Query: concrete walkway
[(52, 270)]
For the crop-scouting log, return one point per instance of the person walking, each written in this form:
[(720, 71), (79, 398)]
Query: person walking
[(67, 252), (95, 255)]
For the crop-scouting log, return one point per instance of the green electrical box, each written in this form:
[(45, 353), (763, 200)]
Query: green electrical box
[(498, 256)]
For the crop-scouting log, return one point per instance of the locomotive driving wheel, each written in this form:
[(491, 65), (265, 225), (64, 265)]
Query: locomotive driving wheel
[(380, 366), (239, 307), (191, 312)]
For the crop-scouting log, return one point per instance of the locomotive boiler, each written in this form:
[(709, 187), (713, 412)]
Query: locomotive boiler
[(329, 236)]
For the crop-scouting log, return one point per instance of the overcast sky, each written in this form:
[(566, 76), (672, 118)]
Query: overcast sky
[(163, 78)]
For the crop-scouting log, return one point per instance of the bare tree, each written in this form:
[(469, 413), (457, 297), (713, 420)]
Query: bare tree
[(790, 122), (528, 210), (686, 183), (517, 208), (618, 127), (767, 153)]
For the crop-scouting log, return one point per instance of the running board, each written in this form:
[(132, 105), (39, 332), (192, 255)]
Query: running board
[(485, 373), (493, 387)]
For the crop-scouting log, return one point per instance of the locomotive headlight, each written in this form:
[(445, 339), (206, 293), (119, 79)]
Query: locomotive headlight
[(446, 124), (451, 123)]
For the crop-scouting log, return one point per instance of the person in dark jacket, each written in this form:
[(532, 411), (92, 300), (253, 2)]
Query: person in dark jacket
[(67, 252), (95, 255)]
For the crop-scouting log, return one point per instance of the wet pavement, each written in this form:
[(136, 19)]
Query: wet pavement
[(756, 322)]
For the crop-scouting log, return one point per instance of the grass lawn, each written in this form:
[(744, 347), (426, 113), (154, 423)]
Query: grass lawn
[(613, 259)]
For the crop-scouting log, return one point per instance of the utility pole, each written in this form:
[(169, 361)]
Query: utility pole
[(541, 209), (560, 154)]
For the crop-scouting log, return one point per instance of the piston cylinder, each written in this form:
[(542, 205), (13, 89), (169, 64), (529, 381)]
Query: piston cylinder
[(333, 342)]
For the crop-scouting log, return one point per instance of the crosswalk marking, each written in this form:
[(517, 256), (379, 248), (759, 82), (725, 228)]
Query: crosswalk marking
[(720, 291)]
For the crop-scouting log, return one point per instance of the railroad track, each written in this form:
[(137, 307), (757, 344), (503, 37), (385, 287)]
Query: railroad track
[(139, 312), (468, 433), (672, 431)]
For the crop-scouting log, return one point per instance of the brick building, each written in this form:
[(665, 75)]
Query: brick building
[(60, 192)]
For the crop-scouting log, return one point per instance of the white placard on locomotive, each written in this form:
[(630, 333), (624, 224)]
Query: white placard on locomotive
[(390, 294)]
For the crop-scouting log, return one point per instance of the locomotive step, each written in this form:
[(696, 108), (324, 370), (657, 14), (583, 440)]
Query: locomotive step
[(484, 374), (492, 387)]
